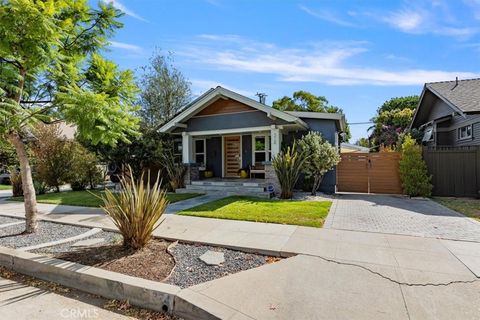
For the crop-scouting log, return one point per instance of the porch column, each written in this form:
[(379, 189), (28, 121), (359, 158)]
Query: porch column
[(187, 148), (275, 140)]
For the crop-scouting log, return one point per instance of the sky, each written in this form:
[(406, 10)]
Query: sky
[(357, 54)]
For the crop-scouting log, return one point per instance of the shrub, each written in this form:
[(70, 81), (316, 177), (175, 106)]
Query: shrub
[(413, 170), (40, 186), (175, 171), (321, 157), (84, 171), (53, 156), (16, 182), (288, 165), (136, 210)]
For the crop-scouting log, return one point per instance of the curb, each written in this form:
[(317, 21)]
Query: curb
[(140, 292)]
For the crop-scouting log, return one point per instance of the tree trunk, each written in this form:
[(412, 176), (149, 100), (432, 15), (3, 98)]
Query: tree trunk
[(30, 200), (317, 181)]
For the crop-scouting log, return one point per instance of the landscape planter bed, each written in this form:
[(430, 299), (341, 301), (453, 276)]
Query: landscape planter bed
[(150, 278)]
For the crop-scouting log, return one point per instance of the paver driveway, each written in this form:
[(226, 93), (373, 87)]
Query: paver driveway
[(400, 215)]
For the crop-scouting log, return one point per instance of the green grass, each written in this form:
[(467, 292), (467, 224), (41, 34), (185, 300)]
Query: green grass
[(302, 213), (5, 187), (86, 199), (467, 206)]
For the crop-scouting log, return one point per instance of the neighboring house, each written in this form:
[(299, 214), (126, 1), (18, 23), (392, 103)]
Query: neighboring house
[(449, 113), (223, 132), (353, 148)]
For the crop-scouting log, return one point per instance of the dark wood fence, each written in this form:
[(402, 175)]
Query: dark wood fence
[(455, 170)]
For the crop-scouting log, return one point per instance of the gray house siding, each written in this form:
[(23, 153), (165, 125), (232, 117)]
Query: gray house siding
[(246, 150), (440, 109), (327, 128), (214, 155), (231, 121), (449, 136)]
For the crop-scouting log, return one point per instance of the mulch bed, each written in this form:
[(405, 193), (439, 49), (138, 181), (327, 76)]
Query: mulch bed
[(152, 262)]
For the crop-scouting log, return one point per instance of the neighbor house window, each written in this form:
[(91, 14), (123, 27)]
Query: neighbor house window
[(261, 148), (200, 152), (177, 150), (464, 132), (428, 134)]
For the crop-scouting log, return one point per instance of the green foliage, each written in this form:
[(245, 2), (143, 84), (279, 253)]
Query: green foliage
[(288, 165), (53, 156), (164, 91), (321, 157), (84, 170), (176, 171), (306, 101), (40, 186), (136, 210), (413, 170), (392, 119), (363, 142)]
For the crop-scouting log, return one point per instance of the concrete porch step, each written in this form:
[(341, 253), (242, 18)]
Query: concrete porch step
[(226, 193), (193, 187), (234, 183)]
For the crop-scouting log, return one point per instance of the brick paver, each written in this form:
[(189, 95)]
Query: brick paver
[(400, 215)]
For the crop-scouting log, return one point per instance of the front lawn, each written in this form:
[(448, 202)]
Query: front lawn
[(86, 199), (302, 213), (5, 187), (467, 206)]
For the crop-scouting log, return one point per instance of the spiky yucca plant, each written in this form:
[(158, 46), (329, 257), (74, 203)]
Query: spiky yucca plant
[(136, 209), (288, 165)]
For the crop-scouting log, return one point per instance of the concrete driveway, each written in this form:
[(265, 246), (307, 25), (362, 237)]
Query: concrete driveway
[(400, 215)]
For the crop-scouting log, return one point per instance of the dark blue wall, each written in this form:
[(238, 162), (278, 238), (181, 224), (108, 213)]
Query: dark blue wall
[(246, 150), (214, 155), (328, 129)]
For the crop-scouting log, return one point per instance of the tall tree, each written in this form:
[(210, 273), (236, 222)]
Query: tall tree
[(392, 119), (306, 101), (52, 69), (164, 91)]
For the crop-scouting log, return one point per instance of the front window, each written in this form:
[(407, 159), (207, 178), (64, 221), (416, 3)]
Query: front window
[(200, 154), (261, 149), (177, 150), (464, 132)]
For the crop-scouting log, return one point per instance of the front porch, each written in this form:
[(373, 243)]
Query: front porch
[(229, 187)]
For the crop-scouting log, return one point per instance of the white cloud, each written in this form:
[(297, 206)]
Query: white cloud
[(406, 20), (117, 4), (126, 46), (326, 62), (326, 16)]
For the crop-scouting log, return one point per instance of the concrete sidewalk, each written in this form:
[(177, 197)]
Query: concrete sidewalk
[(334, 274)]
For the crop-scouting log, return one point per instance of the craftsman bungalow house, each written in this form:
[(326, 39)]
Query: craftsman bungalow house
[(449, 113), (222, 132)]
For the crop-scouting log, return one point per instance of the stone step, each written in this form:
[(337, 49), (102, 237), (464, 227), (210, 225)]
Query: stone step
[(258, 194), (228, 183), (223, 188)]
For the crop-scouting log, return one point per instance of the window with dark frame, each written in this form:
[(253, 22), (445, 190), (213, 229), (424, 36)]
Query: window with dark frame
[(464, 132), (200, 154)]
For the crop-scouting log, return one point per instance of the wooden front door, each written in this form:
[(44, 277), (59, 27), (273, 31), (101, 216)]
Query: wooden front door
[(232, 156)]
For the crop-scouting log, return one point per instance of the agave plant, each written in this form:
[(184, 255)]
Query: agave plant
[(136, 209), (288, 165)]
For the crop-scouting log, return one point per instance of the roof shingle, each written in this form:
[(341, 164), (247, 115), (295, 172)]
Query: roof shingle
[(465, 94)]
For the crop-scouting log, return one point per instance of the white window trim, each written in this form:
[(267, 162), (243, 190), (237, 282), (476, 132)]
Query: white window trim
[(204, 153), (466, 137), (267, 150)]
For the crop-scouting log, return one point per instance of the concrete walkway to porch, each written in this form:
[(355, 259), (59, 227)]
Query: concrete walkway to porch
[(333, 274)]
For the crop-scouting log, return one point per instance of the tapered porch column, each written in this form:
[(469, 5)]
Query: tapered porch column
[(187, 148), (275, 140)]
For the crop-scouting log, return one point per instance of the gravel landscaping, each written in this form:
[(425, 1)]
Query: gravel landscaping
[(12, 236), (190, 270), (109, 238), (5, 220)]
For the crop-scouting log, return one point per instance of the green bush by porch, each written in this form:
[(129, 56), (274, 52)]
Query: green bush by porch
[(302, 213), (86, 199)]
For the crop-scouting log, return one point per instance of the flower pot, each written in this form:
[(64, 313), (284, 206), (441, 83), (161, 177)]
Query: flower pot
[(243, 174)]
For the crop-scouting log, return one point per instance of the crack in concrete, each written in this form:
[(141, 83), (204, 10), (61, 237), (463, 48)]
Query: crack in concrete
[(407, 284)]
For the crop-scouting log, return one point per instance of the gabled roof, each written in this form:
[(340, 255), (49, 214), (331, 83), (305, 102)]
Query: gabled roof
[(463, 94), (320, 115), (214, 94)]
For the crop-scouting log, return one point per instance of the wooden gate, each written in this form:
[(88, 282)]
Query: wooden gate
[(369, 173)]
